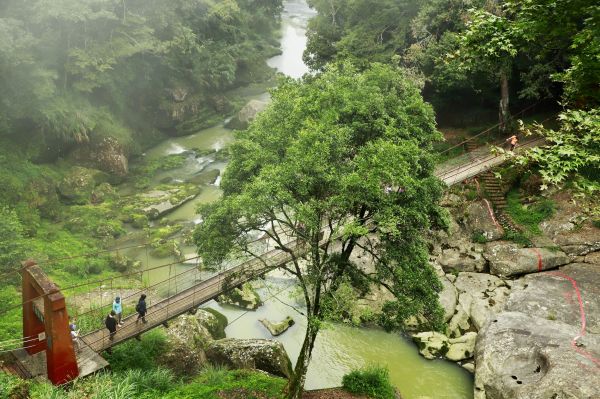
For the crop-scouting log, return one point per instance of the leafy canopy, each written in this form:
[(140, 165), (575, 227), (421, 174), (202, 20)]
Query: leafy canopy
[(320, 158)]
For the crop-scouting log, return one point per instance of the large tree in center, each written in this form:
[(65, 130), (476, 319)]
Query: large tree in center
[(341, 162)]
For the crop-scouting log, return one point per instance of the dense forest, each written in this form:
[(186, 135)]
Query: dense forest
[(94, 83)]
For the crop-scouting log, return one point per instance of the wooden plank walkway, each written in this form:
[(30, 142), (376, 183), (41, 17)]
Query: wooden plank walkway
[(192, 297), (164, 310), (476, 162)]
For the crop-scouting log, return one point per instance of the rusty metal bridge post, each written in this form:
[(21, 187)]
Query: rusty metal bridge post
[(46, 322)]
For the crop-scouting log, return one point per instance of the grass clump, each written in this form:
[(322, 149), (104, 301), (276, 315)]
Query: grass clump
[(217, 383), (373, 381), (529, 217)]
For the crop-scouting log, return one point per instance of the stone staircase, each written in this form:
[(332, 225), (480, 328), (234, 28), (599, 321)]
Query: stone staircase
[(493, 192)]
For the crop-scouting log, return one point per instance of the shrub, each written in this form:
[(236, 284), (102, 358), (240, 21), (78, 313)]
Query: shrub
[(479, 237), (373, 381)]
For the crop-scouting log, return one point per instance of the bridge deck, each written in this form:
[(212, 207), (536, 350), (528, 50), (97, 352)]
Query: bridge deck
[(190, 298)]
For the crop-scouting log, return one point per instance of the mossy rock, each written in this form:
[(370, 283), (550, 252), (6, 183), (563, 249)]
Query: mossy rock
[(103, 192), (139, 221), (166, 249), (245, 297), (77, 186), (122, 263), (208, 177), (213, 321), (278, 328)]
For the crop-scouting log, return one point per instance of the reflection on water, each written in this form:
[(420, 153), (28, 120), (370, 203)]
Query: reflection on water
[(295, 16), (341, 348)]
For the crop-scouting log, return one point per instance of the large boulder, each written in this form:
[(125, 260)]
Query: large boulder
[(481, 296), (431, 344), (481, 220), (552, 295), (77, 186), (186, 340), (448, 298), (571, 227), (526, 357), (247, 114), (462, 348), (278, 328), (261, 354), (106, 154), (213, 321), (463, 257), (507, 259), (244, 297), (157, 203)]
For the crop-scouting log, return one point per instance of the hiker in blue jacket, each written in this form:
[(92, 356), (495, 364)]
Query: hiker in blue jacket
[(118, 308)]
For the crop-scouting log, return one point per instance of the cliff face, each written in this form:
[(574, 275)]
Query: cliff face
[(534, 310)]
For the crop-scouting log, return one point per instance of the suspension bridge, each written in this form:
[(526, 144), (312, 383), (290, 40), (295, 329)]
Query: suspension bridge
[(47, 348)]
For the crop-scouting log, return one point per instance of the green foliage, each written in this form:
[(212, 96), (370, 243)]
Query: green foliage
[(531, 216), (479, 237), (218, 383), (374, 382), (517, 237), (12, 387), (346, 149), (12, 244), (143, 355), (573, 148)]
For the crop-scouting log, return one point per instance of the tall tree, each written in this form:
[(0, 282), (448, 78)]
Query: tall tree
[(340, 162)]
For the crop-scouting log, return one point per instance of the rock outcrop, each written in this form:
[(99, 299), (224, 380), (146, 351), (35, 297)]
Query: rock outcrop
[(106, 154), (481, 220), (526, 357), (277, 328), (507, 259), (77, 186), (247, 114), (186, 339), (261, 354), (245, 297)]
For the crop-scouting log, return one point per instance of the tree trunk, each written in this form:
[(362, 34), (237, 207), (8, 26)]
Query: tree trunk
[(296, 384), (504, 113)]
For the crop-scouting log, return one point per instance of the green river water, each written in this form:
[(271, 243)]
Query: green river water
[(339, 348)]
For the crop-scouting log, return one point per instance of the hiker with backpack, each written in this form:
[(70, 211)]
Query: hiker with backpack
[(140, 308)]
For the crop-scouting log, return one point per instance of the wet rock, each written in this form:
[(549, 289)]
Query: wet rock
[(481, 296), (158, 203), (480, 220), (261, 354), (469, 366), (462, 348), (247, 114), (245, 297), (77, 186), (186, 341), (526, 357), (208, 177), (507, 259), (431, 344), (278, 328)]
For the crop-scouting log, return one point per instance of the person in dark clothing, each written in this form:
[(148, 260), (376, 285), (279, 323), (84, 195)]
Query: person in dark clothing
[(141, 309), (111, 324)]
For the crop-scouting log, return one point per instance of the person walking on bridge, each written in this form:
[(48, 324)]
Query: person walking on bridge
[(513, 140), (141, 309), (111, 324), (118, 308)]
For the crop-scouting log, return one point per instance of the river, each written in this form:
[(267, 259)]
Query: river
[(338, 348)]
